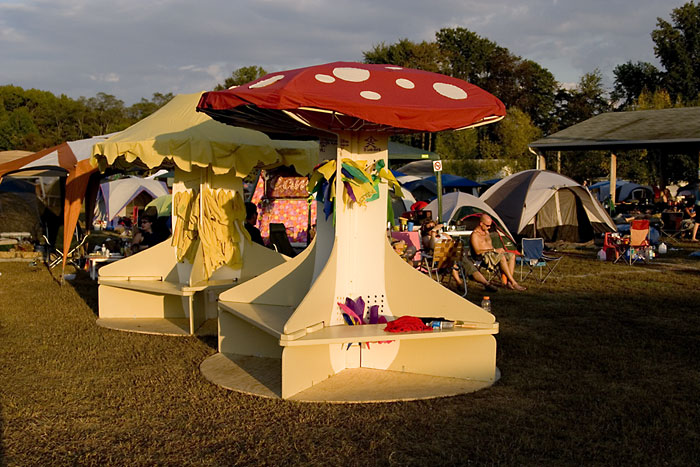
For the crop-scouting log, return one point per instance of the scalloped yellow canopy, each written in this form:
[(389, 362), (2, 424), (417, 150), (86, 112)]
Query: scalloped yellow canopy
[(188, 138)]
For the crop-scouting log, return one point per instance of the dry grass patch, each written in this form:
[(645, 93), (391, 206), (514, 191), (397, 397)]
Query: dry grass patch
[(599, 367)]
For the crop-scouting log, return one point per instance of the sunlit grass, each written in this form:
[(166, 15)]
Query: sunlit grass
[(599, 366)]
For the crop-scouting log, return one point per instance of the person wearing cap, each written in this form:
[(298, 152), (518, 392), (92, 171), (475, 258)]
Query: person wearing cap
[(482, 245), (251, 219)]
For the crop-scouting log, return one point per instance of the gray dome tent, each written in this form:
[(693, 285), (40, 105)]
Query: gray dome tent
[(540, 203)]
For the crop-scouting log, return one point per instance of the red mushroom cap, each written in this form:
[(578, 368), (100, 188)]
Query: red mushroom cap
[(353, 96)]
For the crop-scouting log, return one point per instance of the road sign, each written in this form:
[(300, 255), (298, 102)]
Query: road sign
[(437, 166)]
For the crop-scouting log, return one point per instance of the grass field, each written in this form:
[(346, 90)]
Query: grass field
[(599, 367)]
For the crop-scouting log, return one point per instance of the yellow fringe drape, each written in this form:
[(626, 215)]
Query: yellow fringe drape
[(222, 217), (186, 231)]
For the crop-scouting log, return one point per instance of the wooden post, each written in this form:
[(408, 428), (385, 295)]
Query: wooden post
[(558, 161), (613, 176)]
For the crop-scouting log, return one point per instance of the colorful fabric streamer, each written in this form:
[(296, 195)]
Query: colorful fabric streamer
[(360, 182)]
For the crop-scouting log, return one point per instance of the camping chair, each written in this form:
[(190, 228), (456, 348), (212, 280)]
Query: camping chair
[(446, 258), (280, 241), (54, 256), (671, 224), (533, 256), (639, 246), (613, 247)]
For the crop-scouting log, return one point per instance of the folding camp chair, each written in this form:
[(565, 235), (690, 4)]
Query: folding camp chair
[(54, 256), (534, 257), (446, 258), (613, 246), (280, 241), (639, 245)]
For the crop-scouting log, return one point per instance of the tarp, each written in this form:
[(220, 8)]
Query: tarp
[(114, 195), (74, 158), (178, 133), (540, 203)]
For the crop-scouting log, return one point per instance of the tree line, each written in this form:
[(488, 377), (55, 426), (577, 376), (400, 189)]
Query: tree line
[(32, 120), (537, 104)]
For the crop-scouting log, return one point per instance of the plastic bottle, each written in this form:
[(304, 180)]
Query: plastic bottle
[(486, 304), (104, 250)]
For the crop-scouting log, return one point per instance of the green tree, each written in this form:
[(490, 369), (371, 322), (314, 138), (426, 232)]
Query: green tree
[(423, 56), (587, 100), (18, 131), (677, 46), (631, 79), (108, 114), (240, 76), (145, 107)]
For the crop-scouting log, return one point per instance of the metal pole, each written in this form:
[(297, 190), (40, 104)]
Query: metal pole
[(438, 177)]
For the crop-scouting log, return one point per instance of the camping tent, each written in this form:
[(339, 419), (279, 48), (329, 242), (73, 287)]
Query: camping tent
[(624, 191), (114, 195), (457, 205), (540, 203)]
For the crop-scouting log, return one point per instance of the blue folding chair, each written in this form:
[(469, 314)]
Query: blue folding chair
[(533, 257)]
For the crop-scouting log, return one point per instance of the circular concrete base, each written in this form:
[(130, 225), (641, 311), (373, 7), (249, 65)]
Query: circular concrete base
[(263, 377), (158, 326)]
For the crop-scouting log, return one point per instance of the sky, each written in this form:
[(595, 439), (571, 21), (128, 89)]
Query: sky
[(134, 48)]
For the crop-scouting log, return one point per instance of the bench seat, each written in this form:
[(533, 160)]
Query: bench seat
[(150, 293)]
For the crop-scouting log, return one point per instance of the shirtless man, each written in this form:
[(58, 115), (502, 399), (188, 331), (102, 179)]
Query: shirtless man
[(482, 245)]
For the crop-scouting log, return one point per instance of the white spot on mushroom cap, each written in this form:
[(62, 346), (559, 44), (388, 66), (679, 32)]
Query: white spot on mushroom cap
[(355, 75), (266, 82), (394, 68), (405, 83), (450, 91), (371, 95), (324, 78)]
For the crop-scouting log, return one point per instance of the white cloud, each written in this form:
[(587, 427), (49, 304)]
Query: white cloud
[(183, 46), (105, 78)]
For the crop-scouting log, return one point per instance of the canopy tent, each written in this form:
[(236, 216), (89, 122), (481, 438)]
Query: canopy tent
[(539, 203), (457, 205), (624, 191), (178, 135), (71, 158), (208, 157), (114, 195)]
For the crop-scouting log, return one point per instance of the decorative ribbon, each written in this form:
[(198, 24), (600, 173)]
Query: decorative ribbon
[(360, 182)]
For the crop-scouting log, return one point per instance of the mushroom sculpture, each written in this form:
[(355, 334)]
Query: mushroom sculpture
[(298, 312)]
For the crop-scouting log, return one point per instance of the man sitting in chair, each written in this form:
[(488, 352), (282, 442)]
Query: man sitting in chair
[(482, 245), (431, 233)]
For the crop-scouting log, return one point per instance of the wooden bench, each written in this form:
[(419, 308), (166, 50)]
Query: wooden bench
[(258, 330), (159, 288), (145, 286)]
